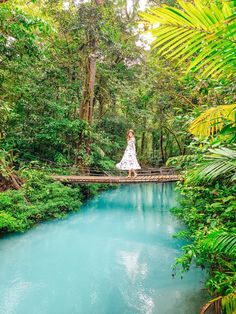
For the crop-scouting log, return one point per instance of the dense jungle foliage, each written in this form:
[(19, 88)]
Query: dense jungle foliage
[(76, 75)]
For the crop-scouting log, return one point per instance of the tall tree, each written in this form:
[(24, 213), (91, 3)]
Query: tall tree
[(86, 107)]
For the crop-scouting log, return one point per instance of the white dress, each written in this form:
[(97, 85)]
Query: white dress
[(129, 160)]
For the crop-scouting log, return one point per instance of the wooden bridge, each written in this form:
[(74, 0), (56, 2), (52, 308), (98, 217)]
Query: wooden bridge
[(118, 177)]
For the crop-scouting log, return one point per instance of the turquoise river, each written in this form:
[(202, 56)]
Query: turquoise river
[(114, 256)]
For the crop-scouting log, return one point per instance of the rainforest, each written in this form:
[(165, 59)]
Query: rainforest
[(75, 76)]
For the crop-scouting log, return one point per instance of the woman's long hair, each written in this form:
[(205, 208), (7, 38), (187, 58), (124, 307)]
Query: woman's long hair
[(128, 136)]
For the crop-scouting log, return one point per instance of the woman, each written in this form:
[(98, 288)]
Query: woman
[(129, 160)]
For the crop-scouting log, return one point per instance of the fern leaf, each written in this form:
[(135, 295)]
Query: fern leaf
[(203, 32), (212, 120)]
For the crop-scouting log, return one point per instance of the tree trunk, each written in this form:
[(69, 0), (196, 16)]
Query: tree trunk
[(143, 143), (162, 147), (86, 108), (176, 139), (11, 182)]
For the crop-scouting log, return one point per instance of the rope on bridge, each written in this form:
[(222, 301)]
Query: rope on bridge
[(145, 173), (95, 171)]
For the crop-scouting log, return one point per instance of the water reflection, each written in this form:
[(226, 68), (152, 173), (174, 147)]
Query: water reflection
[(140, 197), (130, 261), (150, 202)]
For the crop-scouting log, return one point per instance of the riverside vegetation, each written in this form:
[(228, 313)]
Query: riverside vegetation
[(75, 76)]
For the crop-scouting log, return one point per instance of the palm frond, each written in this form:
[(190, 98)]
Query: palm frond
[(221, 162), (202, 35), (213, 120), (221, 242), (227, 303)]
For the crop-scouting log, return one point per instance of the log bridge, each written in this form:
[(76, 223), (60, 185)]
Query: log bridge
[(118, 177)]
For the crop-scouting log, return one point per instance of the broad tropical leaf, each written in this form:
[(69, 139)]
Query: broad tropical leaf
[(221, 162), (203, 35), (227, 303), (213, 120), (221, 242)]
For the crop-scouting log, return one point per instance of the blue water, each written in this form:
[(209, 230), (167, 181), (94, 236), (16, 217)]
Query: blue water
[(112, 257)]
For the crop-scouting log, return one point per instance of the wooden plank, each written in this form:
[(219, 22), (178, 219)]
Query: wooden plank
[(115, 179)]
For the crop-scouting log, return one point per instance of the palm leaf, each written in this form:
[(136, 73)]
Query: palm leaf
[(213, 120), (216, 169), (227, 303), (222, 162), (221, 242), (202, 35)]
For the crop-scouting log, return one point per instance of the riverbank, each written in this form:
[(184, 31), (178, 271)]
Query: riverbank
[(40, 199), (208, 210)]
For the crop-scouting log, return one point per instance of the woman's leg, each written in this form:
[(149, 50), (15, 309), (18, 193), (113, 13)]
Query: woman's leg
[(135, 173), (129, 175)]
